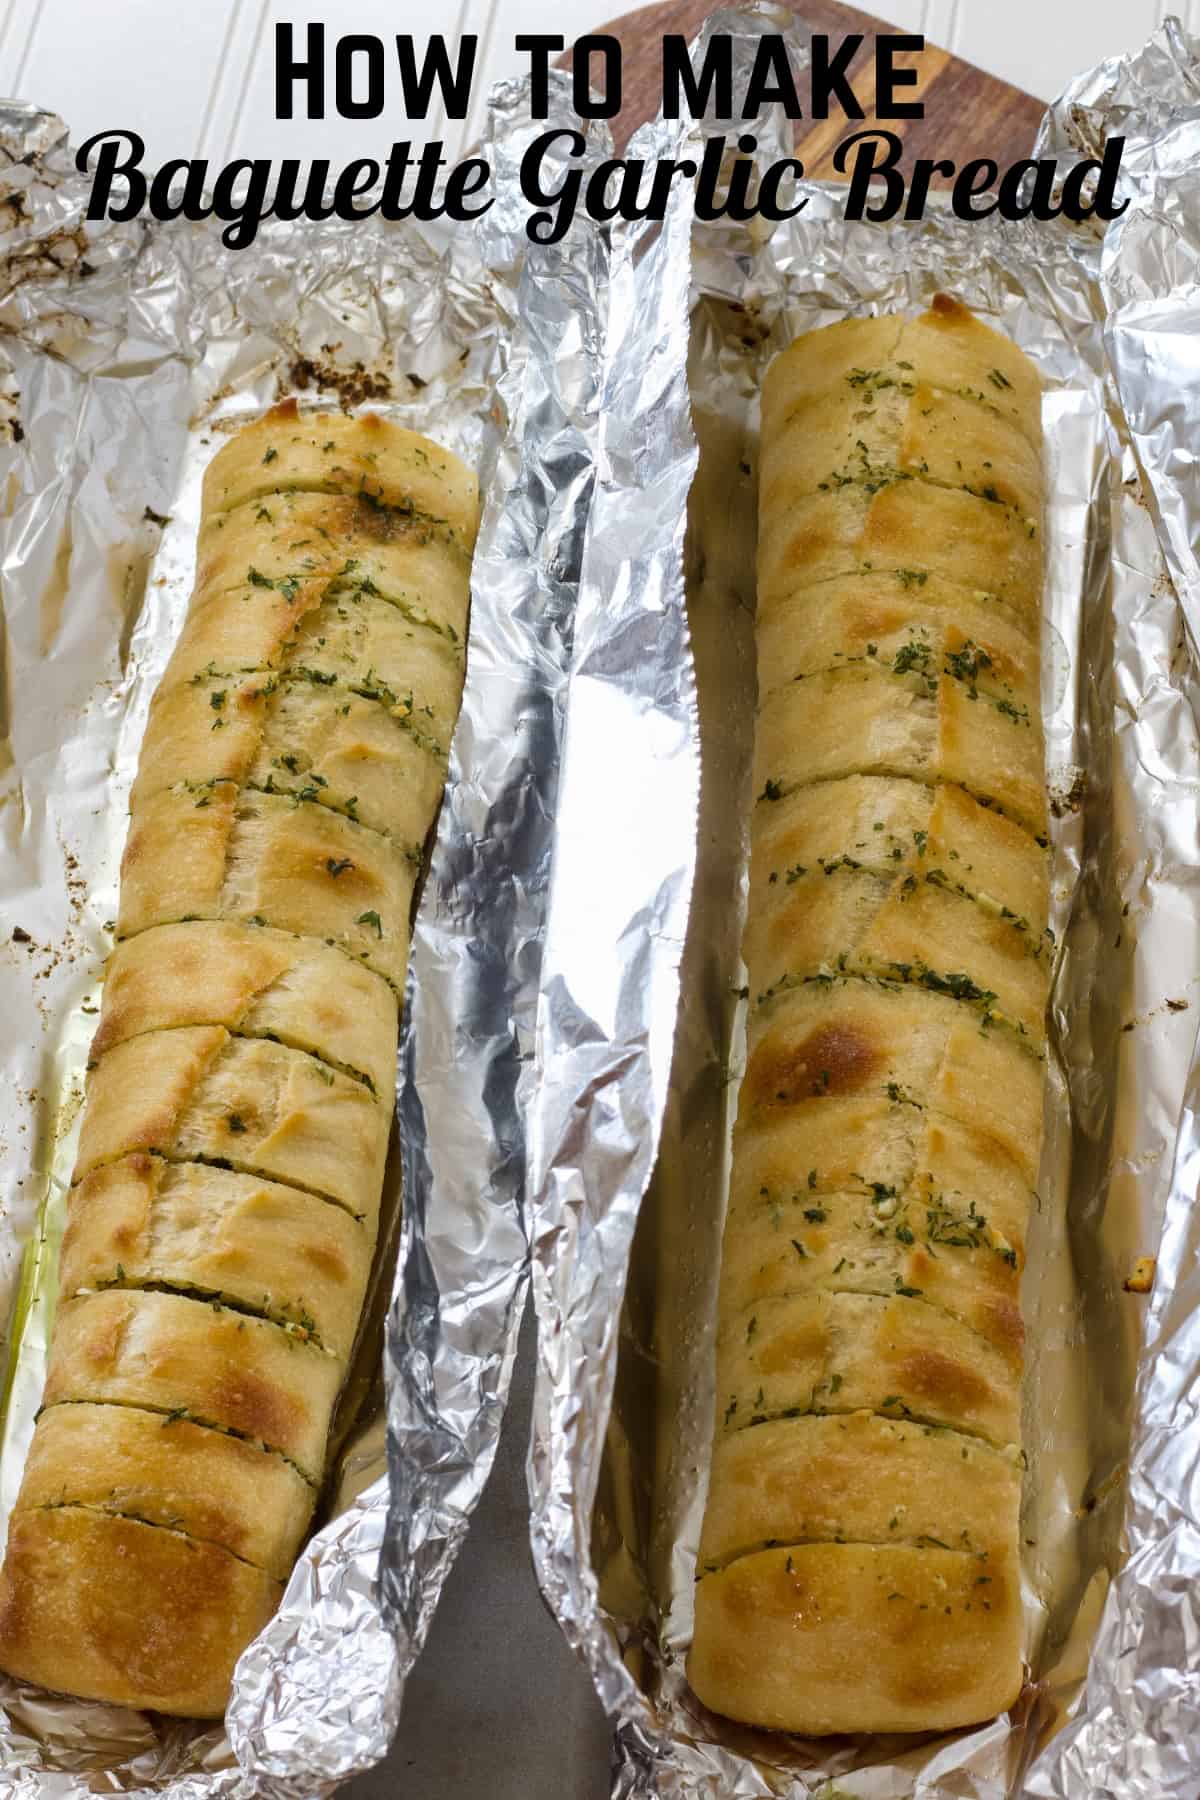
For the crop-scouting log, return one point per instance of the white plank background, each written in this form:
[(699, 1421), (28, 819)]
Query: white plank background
[(195, 77)]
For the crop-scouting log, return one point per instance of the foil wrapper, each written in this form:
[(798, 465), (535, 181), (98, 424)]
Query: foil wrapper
[(1137, 1727), (625, 1284), (127, 352)]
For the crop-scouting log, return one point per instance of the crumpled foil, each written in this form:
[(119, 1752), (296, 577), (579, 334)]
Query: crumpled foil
[(624, 1413), (1137, 1727), (127, 351)]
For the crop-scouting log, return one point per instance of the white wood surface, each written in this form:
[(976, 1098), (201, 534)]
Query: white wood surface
[(194, 77)]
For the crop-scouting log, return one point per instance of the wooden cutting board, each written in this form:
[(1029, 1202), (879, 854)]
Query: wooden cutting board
[(967, 113)]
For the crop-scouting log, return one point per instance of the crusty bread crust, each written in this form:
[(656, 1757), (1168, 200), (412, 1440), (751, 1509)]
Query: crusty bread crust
[(115, 1609), (258, 983)]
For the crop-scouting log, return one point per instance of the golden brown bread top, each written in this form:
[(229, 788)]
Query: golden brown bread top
[(300, 545), (319, 581), (179, 1357), (123, 1611), (366, 756), (823, 1638), (201, 1094), (937, 1246), (857, 922), (908, 446), (366, 459), (214, 1488), (889, 825), (900, 431), (858, 1478), (925, 622), (258, 983), (992, 549), (907, 719), (946, 348), (266, 1248), (263, 858), (839, 1351), (838, 1038), (335, 633), (884, 1142)]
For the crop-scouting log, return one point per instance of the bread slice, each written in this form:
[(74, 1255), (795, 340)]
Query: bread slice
[(858, 1478), (202, 1095), (905, 719), (267, 859), (905, 1639), (889, 825), (901, 429), (881, 615), (859, 528), (834, 1350), (939, 1247), (119, 1610), (214, 1488), (256, 1245), (898, 928), (367, 460), (840, 1038), (203, 1362), (283, 553), (370, 754), (946, 348), (257, 983)]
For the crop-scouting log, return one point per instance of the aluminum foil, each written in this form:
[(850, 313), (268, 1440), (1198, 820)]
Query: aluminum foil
[(624, 1414), (1137, 1728), (127, 352)]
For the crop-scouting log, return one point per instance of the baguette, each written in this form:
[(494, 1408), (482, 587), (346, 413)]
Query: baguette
[(858, 1565), (223, 1215)]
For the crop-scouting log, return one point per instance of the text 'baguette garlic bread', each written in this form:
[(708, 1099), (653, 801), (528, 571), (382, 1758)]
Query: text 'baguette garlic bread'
[(222, 1221), (858, 1565)]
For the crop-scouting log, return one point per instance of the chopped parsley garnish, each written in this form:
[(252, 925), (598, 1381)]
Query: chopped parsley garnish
[(960, 1231), (910, 656), (966, 663)]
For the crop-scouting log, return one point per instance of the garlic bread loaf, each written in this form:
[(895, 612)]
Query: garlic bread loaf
[(858, 1569), (223, 1216)]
